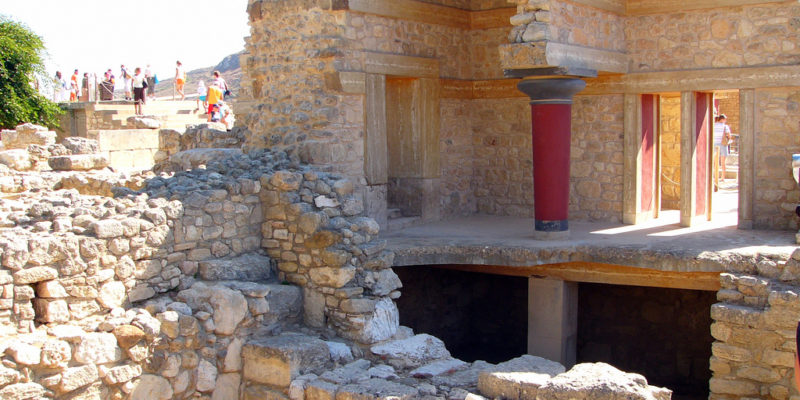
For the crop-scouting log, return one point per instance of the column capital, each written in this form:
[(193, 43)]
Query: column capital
[(551, 90)]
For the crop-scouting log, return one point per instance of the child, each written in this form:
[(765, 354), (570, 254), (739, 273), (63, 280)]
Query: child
[(201, 95)]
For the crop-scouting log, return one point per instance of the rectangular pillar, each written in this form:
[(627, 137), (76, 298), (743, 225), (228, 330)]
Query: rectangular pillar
[(696, 125), (747, 144), (553, 319), (640, 168)]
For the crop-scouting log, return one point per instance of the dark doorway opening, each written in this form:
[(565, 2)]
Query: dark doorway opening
[(478, 316), (663, 334)]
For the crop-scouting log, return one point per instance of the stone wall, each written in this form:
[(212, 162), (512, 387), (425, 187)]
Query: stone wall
[(596, 158), (777, 130), (457, 158), (670, 152), (581, 25), (765, 34), (503, 161), (754, 330), (152, 294)]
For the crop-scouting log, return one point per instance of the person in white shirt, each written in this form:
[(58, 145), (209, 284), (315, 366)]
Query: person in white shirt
[(722, 136), (201, 95), (226, 115), (139, 83)]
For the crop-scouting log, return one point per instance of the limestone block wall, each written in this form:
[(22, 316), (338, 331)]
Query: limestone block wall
[(151, 294), (457, 158), (291, 48), (777, 130), (765, 34), (754, 330), (577, 24), (596, 158), (503, 160)]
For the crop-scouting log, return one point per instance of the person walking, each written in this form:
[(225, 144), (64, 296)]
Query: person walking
[(220, 81), (85, 87), (213, 96), (60, 94), (151, 83), (722, 136), (127, 80), (139, 83), (201, 96), (74, 89), (180, 79)]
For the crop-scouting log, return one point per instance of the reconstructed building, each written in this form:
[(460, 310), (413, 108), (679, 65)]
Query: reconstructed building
[(558, 113)]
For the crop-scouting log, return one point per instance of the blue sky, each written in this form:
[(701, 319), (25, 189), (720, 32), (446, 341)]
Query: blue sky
[(94, 35)]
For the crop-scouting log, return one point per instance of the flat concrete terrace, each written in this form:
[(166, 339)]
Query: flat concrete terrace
[(657, 253)]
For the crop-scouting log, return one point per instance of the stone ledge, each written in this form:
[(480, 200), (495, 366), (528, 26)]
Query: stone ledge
[(547, 54)]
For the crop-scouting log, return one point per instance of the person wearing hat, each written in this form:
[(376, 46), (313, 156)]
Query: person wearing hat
[(225, 115), (722, 136)]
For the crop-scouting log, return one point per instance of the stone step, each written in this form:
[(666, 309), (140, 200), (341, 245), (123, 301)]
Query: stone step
[(402, 223), (276, 361)]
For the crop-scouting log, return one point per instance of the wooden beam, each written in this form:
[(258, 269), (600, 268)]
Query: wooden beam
[(644, 7), (694, 80), (480, 89), (610, 274), (491, 19), (396, 65), (614, 6), (414, 11), (375, 148)]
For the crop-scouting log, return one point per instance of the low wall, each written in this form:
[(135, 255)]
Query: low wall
[(754, 331)]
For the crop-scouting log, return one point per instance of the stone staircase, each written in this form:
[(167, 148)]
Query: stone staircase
[(171, 114)]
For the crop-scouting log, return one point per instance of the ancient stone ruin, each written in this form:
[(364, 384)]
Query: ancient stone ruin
[(378, 227)]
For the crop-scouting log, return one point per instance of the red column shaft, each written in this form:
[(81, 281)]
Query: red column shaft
[(551, 147)]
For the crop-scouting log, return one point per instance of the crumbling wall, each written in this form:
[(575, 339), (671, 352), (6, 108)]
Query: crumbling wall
[(152, 294), (754, 330)]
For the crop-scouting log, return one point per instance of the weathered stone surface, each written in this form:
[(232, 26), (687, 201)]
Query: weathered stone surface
[(122, 374), (151, 387), (35, 274), (50, 290), (79, 145), (233, 356), (278, 360), (227, 387), (600, 381), (285, 301), (438, 367), (56, 353), (48, 310), (247, 267), (320, 390), (412, 352), (332, 277), (382, 324), (17, 159), (519, 378), (97, 348), (206, 376), (111, 294), (8, 376), (24, 353), (22, 391), (128, 335), (78, 162), (193, 158), (340, 352), (353, 372), (376, 389), (73, 378), (108, 228), (143, 122)]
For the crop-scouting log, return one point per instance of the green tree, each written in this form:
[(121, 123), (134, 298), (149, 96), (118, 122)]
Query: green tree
[(21, 61)]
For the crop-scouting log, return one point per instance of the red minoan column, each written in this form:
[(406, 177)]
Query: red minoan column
[(551, 107)]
